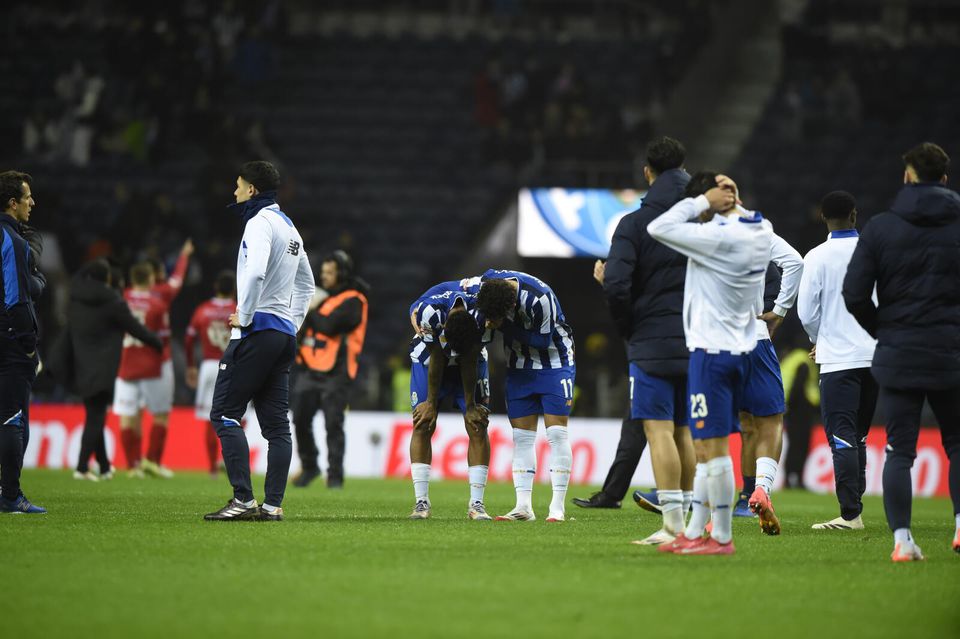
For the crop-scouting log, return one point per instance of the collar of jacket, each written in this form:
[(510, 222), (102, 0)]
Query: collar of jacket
[(6, 218), (927, 204), (251, 207), (667, 189)]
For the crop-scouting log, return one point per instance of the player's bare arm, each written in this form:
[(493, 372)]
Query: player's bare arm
[(425, 413)]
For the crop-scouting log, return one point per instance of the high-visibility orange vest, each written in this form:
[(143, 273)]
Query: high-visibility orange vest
[(318, 351)]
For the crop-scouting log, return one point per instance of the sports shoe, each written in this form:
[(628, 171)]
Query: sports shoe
[(760, 504), (708, 546), (906, 551), (235, 511), (742, 507), (153, 469), (596, 500), (656, 539), (20, 506), (648, 501), (840, 524), (478, 512), (304, 477), (517, 515), (86, 476), (679, 543), (421, 510), (264, 515), (107, 476), (135, 473), (556, 517), (956, 542)]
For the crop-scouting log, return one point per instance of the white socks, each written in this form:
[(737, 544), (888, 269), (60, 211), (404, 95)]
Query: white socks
[(687, 501), (524, 466), (766, 473), (478, 482), (958, 523), (902, 535), (722, 489), (671, 502), (561, 458), (701, 509), (421, 481)]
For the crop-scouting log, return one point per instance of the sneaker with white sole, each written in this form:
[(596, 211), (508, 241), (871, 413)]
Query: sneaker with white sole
[(135, 473), (421, 510), (657, 538), (478, 512), (86, 475), (153, 469), (107, 476), (556, 517), (518, 515), (235, 511), (840, 524), (906, 551)]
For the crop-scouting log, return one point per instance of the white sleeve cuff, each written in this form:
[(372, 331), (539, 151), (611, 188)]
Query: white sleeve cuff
[(780, 310), (701, 204)]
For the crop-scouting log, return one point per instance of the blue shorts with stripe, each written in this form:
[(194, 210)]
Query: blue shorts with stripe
[(546, 391), (763, 390), (450, 386), (653, 397), (716, 381)]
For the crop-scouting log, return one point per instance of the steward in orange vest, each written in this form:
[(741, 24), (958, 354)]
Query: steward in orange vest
[(331, 340)]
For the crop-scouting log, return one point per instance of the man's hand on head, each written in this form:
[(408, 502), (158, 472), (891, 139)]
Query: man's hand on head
[(721, 199)]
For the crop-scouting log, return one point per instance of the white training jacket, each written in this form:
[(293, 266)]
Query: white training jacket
[(788, 259), (725, 273), (274, 279), (842, 344)]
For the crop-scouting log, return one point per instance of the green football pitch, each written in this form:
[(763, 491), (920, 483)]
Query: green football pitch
[(132, 558)]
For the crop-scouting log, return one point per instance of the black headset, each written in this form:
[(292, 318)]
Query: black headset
[(344, 265)]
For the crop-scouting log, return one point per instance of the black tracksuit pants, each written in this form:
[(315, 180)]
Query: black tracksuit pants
[(93, 441), (329, 393), (848, 400), (256, 368), (17, 374), (903, 407)]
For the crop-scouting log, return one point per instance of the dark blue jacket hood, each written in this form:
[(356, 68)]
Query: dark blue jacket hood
[(667, 189), (251, 207), (927, 204)]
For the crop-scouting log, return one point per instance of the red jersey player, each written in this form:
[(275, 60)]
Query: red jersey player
[(211, 324), (145, 378)]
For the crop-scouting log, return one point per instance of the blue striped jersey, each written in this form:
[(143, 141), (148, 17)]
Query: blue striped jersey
[(535, 333), (429, 312)]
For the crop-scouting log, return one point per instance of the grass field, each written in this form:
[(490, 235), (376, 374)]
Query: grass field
[(133, 558)]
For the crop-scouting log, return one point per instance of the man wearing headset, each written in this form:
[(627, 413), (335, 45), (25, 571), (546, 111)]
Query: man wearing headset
[(331, 340)]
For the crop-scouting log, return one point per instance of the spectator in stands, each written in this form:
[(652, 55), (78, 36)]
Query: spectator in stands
[(98, 319)]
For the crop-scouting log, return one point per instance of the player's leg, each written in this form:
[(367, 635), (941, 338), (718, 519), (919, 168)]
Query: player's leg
[(306, 402), (92, 440), (126, 405), (478, 450), (556, 399), (869, 391), (946, 407), (241, 374), (334, 399), (159, 401), (748, 465), (902, 408), (523, 410), (17, 373), (683, 440), (763, 398), (275, 352), (203, 402), (839, 403), (421, 449)]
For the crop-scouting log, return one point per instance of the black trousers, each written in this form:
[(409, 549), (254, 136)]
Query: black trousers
[(903, 407), (629, 450), (93, 441), (848, 400), (331, 395), (17, 374), (256, 368)]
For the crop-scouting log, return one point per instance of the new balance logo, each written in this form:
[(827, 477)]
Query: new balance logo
[(294, 248)]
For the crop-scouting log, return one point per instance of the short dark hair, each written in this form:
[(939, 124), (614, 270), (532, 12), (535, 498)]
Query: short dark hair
[(11, 186), (140, 273), (700, 182), (462, 331), (495, 299), (837, 205), (225, 284), (98, 270), (928, 160), (665, 153), (262, 175), (344, 265)]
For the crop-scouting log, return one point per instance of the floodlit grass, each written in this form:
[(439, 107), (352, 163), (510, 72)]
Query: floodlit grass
[(132, 558)]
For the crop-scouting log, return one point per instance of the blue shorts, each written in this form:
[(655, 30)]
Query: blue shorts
[(450, 386), (763, 390), (547, 391), (716, 386), (653, 397)]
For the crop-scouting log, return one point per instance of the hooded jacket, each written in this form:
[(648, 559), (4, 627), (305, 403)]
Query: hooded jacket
[(98, 319), (643, 284), (912, 254)]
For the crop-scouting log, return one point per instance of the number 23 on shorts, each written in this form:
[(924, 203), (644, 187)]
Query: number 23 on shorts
[(698, 405)]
